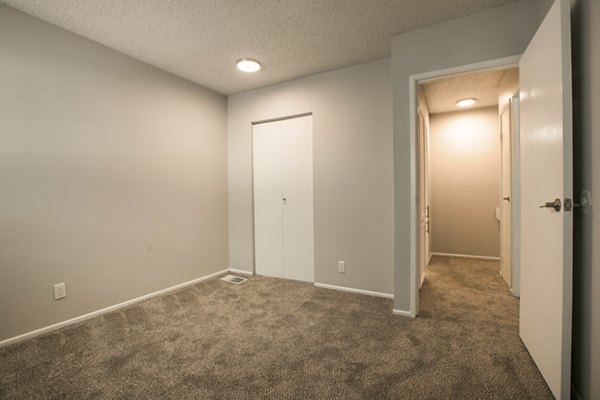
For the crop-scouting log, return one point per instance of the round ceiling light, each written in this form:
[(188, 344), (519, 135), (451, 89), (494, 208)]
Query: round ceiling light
[(466, 102), (248, 65)]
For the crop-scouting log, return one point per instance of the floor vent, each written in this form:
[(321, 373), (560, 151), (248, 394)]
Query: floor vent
[(234, 279)]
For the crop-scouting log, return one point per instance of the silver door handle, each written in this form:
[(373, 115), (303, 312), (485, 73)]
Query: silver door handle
[(556, 204)]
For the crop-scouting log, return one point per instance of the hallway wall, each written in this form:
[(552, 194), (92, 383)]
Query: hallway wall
[(465, 182)]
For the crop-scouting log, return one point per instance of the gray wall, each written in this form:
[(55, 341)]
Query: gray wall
[(586, 262), (113, 176), (353, 186), (497, 33), (465, 182)]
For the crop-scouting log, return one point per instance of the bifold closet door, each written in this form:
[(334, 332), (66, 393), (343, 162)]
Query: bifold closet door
[(268, 189), (283, 199), (298, 231)]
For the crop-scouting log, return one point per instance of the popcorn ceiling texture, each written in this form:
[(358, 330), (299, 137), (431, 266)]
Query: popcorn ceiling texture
[(442, 94), (202, 40)]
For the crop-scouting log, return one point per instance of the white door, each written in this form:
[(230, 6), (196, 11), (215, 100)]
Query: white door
[(298, 232), (546, 175), (423, 204), (283, 199), (506, 193), (268, 188)]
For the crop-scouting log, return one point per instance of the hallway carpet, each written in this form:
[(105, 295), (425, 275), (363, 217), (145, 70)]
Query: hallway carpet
[(276, 339)]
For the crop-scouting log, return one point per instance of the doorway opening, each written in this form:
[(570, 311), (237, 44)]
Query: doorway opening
[(545, 218), (467, 173)]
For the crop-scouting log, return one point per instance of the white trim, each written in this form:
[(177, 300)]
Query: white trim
[(352, 290), (429, 259), (402, 313), (240, 272), (413, 81), (105, 310), (466, 256), (489, 65)]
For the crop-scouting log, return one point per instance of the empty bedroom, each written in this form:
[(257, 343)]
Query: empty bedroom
[(230, 200)]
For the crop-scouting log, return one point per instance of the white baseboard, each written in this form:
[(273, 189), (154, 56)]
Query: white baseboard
[(240, 272), (402, 313), (96, 313), (429, 258), (352, 290), (465, 256)]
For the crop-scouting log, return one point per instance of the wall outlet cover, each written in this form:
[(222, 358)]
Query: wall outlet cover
[(60, 291), (341, 266)]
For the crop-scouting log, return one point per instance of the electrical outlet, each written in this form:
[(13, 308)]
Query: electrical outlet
[(342, 266), (60, 291)]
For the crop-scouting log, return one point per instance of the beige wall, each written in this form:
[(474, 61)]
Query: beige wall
[(353, 186), (465, 182), (484, 36), (112, 174)]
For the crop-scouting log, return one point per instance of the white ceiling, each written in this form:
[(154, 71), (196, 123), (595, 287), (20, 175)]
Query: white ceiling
[(201, 40), (442, 94)]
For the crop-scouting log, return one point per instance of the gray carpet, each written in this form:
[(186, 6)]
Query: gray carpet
[(276, 339)]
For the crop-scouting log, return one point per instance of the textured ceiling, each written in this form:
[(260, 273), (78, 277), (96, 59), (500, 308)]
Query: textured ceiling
[(201, 39), (442, 94)]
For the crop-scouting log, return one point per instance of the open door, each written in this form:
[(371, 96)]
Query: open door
[(423, 257), (506, 192), (546, 188)]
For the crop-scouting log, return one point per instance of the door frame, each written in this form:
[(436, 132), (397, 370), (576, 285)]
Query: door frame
[(414, 81), (424, 256)]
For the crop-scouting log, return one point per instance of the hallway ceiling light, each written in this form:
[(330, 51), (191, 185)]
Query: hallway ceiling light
[(248, 65), (466, 102)]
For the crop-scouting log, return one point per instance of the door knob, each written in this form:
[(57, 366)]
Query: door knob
[(553, 204)]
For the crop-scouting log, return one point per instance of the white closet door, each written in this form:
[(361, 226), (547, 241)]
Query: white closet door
[(268, 211), (298, 232), (283, 199)]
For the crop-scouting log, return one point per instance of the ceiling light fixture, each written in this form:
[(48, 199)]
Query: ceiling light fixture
[(248, 65), (466, 102)]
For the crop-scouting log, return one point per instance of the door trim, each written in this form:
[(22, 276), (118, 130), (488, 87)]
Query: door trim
[(414, 81), (265, 121)]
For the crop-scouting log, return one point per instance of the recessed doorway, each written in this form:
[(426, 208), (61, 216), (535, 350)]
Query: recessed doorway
[(466, 129)]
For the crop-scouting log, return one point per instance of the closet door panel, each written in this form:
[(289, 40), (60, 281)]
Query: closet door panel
[(268, 210), (298, 230)]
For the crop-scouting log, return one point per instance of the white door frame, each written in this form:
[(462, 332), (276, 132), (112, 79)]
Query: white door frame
[(414, 81)]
